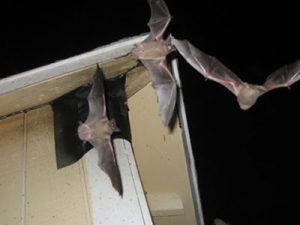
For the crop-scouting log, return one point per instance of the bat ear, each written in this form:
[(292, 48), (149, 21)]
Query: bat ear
[(114, 126), (170, 44), (169, 38), (117, 129)]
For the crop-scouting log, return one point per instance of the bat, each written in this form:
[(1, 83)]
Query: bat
[(152, 53), (219, 222), (247, 94), (97, 130)]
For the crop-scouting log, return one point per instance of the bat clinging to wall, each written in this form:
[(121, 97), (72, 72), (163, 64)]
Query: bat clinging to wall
[(152, 53), (97, 129), (247, 94)]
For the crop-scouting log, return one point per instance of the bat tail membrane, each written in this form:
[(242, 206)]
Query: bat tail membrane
[(113, 173), (107, 162)]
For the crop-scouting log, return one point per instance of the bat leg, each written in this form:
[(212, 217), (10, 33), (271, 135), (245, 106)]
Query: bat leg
[(111, 148)]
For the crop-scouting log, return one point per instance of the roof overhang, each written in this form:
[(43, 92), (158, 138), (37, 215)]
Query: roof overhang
[(44, 84)]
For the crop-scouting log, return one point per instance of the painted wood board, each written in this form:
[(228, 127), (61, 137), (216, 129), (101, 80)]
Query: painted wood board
[(192, 170), (108, 207), (11, 160), (98, 55), (80, 194), (52, 196), (165, 165), (44, 84), (160, 157)]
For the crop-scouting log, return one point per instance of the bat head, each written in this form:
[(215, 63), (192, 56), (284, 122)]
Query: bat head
[(248, 95), (152, 50), (84, 132), (112, 126)]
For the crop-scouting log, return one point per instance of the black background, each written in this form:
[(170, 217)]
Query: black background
[(246, 160)]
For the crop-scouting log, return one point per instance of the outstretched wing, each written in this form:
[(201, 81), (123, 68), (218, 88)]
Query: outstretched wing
[(96, 98), (107, 162), (210, 67), (284, 76), (159, 20), (165, 86)]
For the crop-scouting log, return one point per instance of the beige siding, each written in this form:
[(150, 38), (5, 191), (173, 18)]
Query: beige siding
[(51, 196), (11, 152), (160, 157)]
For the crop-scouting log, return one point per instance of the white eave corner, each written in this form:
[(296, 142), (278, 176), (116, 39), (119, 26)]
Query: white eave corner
[(98, 55)]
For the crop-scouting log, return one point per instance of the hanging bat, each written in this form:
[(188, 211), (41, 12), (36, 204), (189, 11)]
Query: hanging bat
[(247, 94), (152, 53), (97, 129)]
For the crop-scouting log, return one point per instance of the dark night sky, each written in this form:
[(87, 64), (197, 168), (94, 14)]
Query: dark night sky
[(246, 160)]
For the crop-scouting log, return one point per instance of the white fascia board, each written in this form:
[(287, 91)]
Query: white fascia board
[(107, 206), (191, 167), (98, 55)]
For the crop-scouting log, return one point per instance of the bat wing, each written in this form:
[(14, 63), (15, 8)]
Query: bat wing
[(210, 67), (108, 163), (165, 85), (159, 20), (284, 76), (96, 98)]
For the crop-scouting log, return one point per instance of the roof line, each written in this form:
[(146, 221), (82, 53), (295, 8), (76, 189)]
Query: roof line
[(98, 55)]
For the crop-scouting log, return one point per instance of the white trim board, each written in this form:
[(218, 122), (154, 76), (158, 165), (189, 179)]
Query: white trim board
[(98, 55), (188, 147), (106, 205)]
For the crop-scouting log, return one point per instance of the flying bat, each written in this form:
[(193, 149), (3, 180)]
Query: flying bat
[(152, 53), (247, 94), (97, 130)]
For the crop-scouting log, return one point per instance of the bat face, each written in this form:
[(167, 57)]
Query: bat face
[(84, 132), (248, 94), (101, 129)]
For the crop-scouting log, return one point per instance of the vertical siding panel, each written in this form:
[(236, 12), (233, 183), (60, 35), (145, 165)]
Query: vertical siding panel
[(107, 206), (52, 196), (160, 157), (11, 154)]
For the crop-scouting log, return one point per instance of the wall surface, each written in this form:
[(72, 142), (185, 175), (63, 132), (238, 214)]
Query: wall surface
[(161, 161), (33, 191)]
